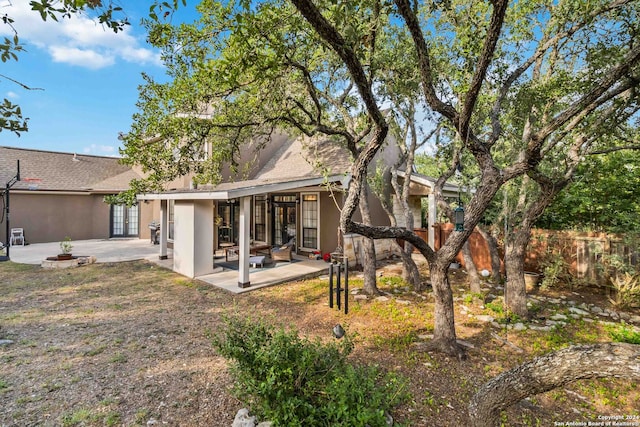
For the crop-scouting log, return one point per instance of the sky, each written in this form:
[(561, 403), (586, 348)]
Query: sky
[(84, 77)]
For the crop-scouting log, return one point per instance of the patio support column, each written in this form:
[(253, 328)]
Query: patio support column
[(432, 214), (192, 240), (164, 227), (243, 242)]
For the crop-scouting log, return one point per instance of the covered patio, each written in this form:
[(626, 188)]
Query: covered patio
[(194, 223)]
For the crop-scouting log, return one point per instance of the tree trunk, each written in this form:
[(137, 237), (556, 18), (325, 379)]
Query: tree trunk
[(444, 331), (369, 267), (470, 266), (552, 371), (370, 286), (410, 272), (515, 288)]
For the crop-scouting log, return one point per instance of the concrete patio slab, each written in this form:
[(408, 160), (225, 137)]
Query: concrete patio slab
[(105, 250), (119, 250), (304, 268)]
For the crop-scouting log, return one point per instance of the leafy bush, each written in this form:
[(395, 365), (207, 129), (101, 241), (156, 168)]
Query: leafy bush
[(625, 334), (295, 381), (627, 290)]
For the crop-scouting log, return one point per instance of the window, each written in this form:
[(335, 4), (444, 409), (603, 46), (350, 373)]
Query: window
[(170, 219), (260, 218), (310, 221)]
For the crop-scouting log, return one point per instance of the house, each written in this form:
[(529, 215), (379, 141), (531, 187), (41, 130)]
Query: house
[(289, 191), (62, 194)]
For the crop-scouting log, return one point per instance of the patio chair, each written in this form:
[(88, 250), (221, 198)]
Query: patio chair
[(283, 253), (17, 237)]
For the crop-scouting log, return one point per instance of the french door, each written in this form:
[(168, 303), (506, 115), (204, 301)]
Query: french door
[(284, 219), (125, 221)]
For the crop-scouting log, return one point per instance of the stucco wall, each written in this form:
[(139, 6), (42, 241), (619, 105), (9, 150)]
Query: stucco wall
[(330, 220), (149, 211), (50, 217)]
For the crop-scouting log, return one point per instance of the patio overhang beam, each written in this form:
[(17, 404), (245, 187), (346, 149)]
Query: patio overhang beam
[(449, 190), (234, 193)]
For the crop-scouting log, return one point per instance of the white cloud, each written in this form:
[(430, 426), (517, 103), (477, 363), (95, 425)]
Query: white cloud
[(101, 150), (84, 58), (78, 40), (12, 95)]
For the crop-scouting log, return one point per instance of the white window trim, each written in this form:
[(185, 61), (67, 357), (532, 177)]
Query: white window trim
[(317, 194)]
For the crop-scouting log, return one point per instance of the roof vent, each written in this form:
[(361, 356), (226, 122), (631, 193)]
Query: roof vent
[(75, 157)]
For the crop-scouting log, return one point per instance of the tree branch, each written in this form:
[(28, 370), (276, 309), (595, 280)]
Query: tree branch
[(551, 371)]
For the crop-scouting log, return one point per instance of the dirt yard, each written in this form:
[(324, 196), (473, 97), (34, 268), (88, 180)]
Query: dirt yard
[(129, 344)]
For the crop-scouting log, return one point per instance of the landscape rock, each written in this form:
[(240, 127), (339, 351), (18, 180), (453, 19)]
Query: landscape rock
[(558, 316), (382, 298), (6, 342), (519, 327), (243, 419), (485, 318), (360, 297), (489, 298), (465, 344), (579, 311)]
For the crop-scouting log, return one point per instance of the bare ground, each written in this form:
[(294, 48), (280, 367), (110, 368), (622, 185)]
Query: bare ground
[(129, 344)]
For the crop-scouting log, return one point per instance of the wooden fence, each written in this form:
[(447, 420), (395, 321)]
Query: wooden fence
[(581, 254)]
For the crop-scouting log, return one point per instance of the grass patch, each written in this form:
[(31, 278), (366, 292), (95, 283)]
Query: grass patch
[(96, 351), (78, 417), (623, 333)]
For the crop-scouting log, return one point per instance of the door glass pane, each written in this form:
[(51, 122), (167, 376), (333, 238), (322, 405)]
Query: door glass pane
[(278, 224), (284, 223), (132, 218), (117, 220)]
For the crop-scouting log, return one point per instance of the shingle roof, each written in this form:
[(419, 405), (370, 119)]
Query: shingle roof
[(57, 171), (307, 157)]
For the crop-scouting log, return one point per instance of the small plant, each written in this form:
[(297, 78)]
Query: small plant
[(554, 261), (66, 246), (627, 290), (290, 380), (625, 334)]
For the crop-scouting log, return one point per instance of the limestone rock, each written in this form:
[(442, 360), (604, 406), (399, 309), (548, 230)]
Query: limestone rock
[(579, 311), (243, 419)]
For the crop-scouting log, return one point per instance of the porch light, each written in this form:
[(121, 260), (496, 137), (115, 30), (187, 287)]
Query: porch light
[(458, 216)]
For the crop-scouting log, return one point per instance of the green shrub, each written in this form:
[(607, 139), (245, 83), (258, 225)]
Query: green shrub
[(294, 381), (625, 334)]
